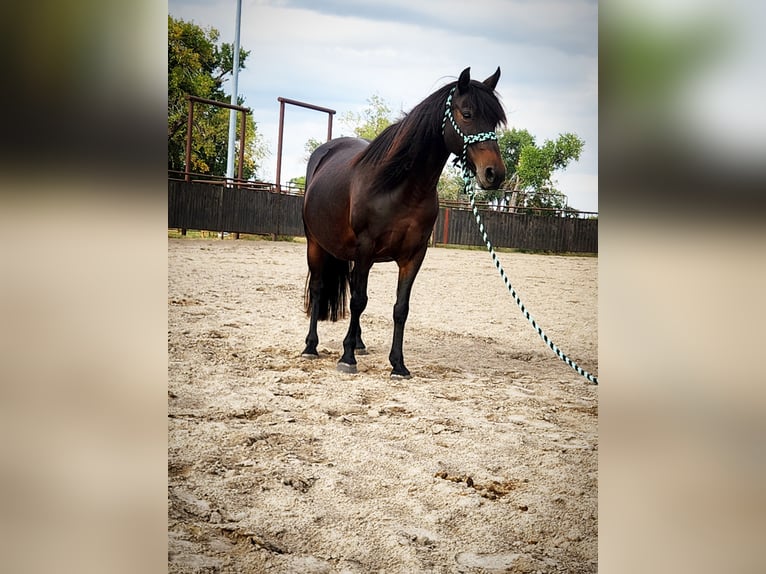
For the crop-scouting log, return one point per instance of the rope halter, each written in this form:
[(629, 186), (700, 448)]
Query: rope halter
[(467, 140)]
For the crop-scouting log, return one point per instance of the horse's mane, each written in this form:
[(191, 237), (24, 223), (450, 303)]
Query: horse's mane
[(401, 145)]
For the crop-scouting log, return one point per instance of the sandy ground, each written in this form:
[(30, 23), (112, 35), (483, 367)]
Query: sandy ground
[(485, 461)]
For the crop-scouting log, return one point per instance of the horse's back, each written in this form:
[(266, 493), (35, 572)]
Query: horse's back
[(336, 151)]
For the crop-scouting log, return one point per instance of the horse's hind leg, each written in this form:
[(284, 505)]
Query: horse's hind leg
[(316, 258)]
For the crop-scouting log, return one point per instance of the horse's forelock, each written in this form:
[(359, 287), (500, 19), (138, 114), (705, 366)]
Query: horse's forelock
[(486, 104)]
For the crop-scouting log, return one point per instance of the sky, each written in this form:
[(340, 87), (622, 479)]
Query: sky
[(339, 53)]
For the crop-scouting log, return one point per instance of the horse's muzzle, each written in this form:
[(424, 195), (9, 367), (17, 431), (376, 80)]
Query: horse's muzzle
[(488, 166), (491, 176)]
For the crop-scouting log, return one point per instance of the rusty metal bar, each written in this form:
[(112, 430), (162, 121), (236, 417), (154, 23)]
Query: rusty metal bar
[(305, 105), (279, 143), (190, 123), (282, 101), (220, 104)]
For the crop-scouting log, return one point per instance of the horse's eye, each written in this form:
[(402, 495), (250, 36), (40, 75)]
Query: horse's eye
[(466, 114)]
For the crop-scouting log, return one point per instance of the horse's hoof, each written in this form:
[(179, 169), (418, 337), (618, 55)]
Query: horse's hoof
[(310, 355), (360, 350), (398, 376), (346, 368)]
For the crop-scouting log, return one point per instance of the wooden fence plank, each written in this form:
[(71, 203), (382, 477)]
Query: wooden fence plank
[(245, 210)]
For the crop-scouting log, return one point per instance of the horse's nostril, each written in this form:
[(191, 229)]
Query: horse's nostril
[(489, 175)]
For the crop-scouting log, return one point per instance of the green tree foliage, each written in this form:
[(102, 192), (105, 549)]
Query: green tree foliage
[(530, 168), (299, 181), (372, 120), (367, 124), (198, 66), (529, 172), (511, 142), (450, 185), (310, 146)]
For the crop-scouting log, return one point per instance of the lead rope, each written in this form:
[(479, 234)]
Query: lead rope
[(469, 189)]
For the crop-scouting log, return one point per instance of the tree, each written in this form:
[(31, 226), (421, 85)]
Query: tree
[(511, 142), (198, 66), (530, 169), (450, 185), (299, 181), (367, 124), (372, 120), (310, 147)]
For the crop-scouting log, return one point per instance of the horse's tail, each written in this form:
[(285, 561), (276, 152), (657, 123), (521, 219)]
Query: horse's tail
[(334, 290)]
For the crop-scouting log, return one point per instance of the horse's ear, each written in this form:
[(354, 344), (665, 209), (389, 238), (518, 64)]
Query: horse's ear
[(491, 82), (464, 80)]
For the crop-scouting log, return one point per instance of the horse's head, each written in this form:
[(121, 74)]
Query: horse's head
[(473, 113)]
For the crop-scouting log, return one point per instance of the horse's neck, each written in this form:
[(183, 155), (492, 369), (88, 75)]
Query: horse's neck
[(432, 159)]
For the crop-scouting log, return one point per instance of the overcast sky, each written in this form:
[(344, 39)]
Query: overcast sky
[(338, 53)]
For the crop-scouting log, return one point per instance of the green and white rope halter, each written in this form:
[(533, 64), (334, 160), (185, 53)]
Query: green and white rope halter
[(469, 189)]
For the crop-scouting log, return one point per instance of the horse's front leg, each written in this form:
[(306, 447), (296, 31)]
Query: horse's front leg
[(408, 270), (358, 304)]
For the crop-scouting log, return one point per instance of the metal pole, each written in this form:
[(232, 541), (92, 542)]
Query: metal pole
[(242, 146), (234, 95), (279, 143)]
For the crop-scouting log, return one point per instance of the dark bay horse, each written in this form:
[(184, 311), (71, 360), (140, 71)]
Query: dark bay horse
[(368, 202)]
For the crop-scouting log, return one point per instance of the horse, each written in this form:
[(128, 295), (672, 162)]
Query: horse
[(373, 201)]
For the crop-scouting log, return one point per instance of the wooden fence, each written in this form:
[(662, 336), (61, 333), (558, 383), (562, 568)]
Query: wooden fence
[(520, 231), (238, 210), (247, 210)]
